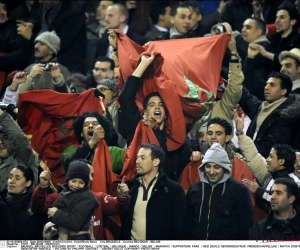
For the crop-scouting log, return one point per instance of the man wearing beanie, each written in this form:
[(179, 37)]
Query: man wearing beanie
[(218, 207), (73, 210), (108, 87), (46, 72)]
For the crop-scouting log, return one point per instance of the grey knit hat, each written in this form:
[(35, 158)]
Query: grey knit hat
[(50, 39), (111, 83)]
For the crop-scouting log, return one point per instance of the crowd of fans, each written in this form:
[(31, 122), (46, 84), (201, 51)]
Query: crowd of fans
[(235, 177)]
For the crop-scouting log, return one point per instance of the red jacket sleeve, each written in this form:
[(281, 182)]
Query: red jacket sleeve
[(112, 205), (40, 201)]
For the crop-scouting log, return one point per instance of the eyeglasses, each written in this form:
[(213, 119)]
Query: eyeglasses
[(103, 89)]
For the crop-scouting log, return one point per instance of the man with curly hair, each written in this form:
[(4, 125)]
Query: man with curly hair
[(89, 129)]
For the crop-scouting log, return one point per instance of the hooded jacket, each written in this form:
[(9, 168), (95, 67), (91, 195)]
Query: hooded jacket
[(219, 211)]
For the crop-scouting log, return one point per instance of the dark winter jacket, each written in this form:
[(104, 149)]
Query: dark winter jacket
[(155, 34), (25, 225), (271, 228), (176, 160), (222, 211), (165, 214), (280, 44), (75, 209), (6, 219), (278, 127), (61, 19), (17, 49)]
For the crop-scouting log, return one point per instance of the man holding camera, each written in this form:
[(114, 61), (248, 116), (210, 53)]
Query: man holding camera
[(46, 73)]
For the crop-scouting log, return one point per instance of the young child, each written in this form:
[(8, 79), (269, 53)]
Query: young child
[(73, 210)]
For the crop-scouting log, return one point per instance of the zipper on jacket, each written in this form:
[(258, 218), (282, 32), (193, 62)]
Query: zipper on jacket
[(212, 190)]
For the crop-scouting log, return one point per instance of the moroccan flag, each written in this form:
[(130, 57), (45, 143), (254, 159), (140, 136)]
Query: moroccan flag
[(48, 116), (185, 72)]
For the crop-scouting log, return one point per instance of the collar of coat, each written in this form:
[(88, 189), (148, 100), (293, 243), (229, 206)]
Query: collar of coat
[(290, 108), (293, 222)]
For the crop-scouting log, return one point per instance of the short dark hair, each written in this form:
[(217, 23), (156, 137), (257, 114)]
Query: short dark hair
[(260, 24), (175, 7), (76, 77), (195, 6), (222, 122), (156, 152), (285, 81), (27, 172), (157, 9), (103, 121), (285, 152), (147, 98), (291, 9), (291, 186), (106, 59)]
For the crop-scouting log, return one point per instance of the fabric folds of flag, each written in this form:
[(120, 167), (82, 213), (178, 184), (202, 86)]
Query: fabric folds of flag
[(185, 72), (48, 116)]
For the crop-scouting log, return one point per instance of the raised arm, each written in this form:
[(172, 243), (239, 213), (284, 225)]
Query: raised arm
[(20, 142), (130, 111)]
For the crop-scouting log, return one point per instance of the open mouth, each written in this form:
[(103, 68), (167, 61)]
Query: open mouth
[(157, 114), (2, 147)]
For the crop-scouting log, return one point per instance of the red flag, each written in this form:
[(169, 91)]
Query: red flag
[(48, 116), (185, 73)]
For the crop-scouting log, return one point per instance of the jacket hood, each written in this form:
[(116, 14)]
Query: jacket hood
[(216, 154), (291, 112)]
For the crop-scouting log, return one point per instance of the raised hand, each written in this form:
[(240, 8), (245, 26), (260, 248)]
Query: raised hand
[(196, 156), (239, 122), (251, 185), (19, 78), (147, 60), (24, 29), (98, 134), (123, 188), (45, 178), (253, 50), (113, 39)]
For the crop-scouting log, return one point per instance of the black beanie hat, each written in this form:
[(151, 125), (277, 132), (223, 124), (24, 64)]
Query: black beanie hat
[(78, 169)]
